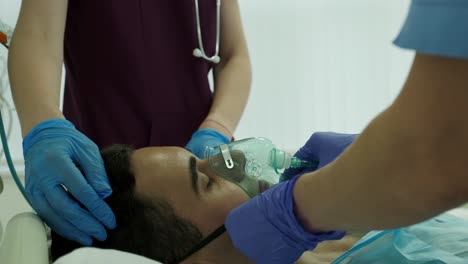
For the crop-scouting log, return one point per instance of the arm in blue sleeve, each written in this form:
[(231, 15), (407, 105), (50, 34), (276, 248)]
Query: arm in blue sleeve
[(436, 27)]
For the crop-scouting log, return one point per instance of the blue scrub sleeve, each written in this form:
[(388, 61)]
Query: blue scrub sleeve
[(436, 27)]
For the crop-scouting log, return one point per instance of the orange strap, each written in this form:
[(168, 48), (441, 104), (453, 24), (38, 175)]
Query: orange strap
[(3, 38)]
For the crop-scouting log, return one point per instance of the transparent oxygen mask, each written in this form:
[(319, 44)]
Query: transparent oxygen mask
[(254, 164)]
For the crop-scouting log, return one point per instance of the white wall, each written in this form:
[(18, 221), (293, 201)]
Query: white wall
[(321, 65), (318, 65)]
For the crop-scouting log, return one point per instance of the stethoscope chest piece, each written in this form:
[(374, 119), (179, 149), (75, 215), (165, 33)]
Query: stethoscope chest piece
[(200, 51)]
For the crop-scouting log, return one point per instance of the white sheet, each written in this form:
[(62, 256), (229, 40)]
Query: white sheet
[(102, 256)]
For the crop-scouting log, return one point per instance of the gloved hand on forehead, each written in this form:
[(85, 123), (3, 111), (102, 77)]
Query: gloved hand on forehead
[(52, 152), (322, 146), (266, 229), (204, 138)]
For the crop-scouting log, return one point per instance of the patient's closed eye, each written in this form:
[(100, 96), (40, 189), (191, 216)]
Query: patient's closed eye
[(194, 174)]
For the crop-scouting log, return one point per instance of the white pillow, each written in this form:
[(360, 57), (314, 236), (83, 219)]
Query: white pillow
[(102, 256)]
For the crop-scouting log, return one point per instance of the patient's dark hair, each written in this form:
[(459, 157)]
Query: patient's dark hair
[(144, 227)]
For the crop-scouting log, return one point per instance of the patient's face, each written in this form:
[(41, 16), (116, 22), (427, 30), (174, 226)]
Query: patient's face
[(171, 173)]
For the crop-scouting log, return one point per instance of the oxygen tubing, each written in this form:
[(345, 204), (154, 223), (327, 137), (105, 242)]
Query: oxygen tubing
[(6, 151)]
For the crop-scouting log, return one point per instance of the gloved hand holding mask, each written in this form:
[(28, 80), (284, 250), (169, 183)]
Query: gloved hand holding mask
[(255, 165), (323, 147), (265, 228)]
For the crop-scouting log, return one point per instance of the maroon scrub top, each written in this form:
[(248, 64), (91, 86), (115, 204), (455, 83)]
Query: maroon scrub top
[(131, 77)]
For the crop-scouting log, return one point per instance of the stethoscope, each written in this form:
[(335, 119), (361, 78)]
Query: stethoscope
[(200, 51)]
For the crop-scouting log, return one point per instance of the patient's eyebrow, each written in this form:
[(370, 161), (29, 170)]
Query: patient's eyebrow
[(194, 174)]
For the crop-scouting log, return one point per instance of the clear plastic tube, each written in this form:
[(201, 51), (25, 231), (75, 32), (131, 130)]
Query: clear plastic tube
[(297, 163), (280, 160)]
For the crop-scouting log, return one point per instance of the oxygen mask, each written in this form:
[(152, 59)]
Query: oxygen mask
[(254, 164)]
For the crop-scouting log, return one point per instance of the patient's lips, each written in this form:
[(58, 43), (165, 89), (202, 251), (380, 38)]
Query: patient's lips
[(263, 186)]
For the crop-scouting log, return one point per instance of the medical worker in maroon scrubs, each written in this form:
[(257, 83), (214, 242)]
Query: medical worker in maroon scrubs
[(136, 73)]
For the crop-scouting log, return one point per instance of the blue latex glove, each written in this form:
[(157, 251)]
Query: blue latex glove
[(322, 146), (205, 138), (52, 152), (266, 230)]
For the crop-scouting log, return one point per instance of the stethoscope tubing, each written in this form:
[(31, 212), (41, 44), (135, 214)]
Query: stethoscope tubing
[(200, 51)]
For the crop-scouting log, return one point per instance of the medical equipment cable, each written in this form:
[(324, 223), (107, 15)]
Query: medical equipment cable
[(218, 232), (4, 102), (200, 51), (10, 161)]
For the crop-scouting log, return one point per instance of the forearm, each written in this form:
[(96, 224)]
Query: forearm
[(408, 165), (35, 64), (373, 185), (35, 82), (232, 88)]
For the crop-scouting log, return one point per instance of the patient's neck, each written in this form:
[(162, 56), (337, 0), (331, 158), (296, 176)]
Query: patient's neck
[(221, 250)]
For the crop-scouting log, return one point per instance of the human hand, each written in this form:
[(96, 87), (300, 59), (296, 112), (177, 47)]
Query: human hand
[(322, 146), (266, 230), (53, 150), (205, 138)]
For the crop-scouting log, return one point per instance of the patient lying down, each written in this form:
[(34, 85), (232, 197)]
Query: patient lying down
[(164, 208)]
